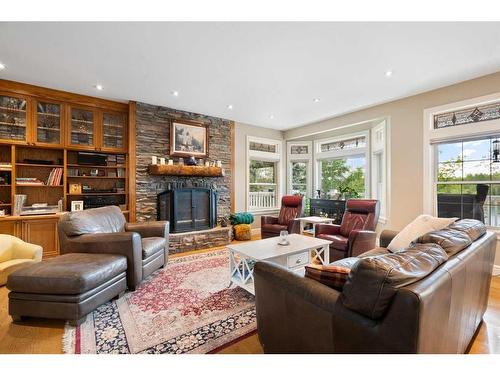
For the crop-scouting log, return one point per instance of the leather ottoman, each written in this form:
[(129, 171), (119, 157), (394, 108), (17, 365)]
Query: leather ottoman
[(66, 287)]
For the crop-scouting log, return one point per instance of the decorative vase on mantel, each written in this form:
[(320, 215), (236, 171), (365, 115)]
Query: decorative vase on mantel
[(191, 161)]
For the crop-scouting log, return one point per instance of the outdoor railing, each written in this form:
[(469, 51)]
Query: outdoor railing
[(261, 199)]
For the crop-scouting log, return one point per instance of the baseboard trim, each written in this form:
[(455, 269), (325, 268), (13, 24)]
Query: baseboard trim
[(496, 270)]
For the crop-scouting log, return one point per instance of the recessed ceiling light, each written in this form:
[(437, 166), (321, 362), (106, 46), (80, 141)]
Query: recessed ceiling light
[(230, 106), (2, 66), (388, 73), (99, 87), (316, 100), (271, 116), (175, 93)]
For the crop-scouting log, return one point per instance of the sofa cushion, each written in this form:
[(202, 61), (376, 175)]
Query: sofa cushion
[(334, 274), (73, 273), (338, 242), (374, 252), (421, 225), (107, 219), (373, 281), (151, 245), (473, 228), (451, 240)]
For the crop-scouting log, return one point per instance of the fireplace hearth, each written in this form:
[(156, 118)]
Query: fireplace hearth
[(188, 209)]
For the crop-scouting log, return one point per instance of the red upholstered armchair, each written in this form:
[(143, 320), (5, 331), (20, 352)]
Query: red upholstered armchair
[(291, 207), (356, 234)]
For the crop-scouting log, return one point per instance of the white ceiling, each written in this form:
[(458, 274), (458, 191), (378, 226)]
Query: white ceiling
[(259, 68)]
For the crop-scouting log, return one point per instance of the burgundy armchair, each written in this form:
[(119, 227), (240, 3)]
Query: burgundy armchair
[(292, 207), (356, 234)]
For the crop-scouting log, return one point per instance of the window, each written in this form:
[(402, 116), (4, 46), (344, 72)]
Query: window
[(468, 180), (263, 158), (263, 184), (462, 161), (299, 177), (341, 165), (299, 168), (343, 178)]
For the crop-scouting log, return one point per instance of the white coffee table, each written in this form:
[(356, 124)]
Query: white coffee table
[(313, 220), (295, 256)]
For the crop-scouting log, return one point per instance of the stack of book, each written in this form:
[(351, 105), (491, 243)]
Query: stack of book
[(5, 167), (120, 160), (28, 181), (55, 177)]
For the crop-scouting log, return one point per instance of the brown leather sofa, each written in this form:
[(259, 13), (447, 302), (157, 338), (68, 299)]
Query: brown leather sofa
[(439, 313), (356, 234), (105, 231), (292, 207)]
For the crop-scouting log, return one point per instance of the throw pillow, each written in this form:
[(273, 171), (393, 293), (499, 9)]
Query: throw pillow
[(334, 274), (421, 225)]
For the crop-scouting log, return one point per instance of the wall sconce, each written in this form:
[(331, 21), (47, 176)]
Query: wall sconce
[(496, 150)]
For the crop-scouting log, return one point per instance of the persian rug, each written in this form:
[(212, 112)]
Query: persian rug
[(186, 307)]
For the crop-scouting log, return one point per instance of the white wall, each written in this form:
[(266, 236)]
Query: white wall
[(241, 131), (406, 137), (405, 117)]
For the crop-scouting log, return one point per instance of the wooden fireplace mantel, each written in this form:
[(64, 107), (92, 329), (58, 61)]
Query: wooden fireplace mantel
[(185, 170)]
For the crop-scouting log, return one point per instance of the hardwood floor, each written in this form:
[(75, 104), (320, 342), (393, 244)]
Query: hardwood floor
[(45, 336)]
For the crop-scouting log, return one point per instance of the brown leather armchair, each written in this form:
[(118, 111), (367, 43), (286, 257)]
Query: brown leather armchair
[(104, 231), (292, 207), (356, 234)]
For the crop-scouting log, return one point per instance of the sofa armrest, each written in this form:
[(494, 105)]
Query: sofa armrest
[(26, 250), (268, 220), (330, 229), (360, 241), (127, 244), (294, 226), (149, 229), (287, 302), (386, 237)]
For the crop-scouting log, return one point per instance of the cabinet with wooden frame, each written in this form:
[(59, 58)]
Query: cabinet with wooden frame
[(41, 126)]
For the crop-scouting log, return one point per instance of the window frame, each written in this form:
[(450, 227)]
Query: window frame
[(460, 133), (307, 158), (276, 158), (342, 154)]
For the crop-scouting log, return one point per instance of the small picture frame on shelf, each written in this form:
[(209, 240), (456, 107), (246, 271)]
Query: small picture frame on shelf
[(94, 172), (75, 188), (76, 206)]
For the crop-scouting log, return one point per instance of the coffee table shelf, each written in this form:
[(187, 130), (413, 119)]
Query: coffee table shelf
[(294, 256)]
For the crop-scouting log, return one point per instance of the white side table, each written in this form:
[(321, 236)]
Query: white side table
[(313, 220)]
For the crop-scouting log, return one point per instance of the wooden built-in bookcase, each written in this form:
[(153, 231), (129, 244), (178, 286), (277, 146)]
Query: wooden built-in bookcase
[(42, 129)]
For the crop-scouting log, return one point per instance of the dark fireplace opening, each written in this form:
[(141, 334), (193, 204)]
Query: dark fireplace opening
[(188, 209)]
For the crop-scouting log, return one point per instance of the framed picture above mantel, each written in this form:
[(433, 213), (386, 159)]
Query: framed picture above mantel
[(188, 138)]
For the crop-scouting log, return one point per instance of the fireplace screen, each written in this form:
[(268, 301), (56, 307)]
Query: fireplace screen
[(188, 209)]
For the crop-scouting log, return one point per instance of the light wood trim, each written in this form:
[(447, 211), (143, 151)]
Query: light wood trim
[(231, 199), (58, 95), (131, 160)]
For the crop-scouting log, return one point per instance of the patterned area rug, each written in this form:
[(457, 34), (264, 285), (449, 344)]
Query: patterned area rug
[(185, 308)]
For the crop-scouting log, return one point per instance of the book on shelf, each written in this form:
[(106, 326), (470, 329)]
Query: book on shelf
[(6, 167), (28, 181), (55, 177)]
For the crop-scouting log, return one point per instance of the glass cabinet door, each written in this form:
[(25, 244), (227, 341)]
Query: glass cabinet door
[(48, 123), (13, 118), (113, 130), (82, 127)]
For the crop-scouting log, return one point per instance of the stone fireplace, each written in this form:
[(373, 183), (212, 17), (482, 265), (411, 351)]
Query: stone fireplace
[(153, 138)]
